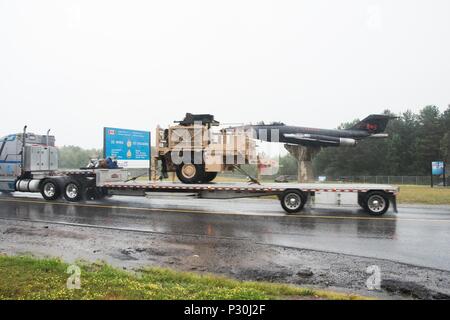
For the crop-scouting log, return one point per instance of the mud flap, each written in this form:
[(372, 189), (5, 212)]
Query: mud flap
[(393, 199), (310, 200)]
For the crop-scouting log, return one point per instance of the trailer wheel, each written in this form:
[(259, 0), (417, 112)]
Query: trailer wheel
[(376, 203), (50, 190), (190, 173), (73, 191), (293, 201)]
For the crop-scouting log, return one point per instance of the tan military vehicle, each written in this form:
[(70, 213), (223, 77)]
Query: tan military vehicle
[(197, 153)]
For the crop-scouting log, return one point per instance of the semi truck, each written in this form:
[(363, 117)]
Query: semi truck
[(29, 163)]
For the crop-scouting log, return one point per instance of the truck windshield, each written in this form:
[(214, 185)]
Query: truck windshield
[(11, 137)]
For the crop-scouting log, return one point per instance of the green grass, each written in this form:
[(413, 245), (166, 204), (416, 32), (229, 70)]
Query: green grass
[(30, 278), (424, 195)]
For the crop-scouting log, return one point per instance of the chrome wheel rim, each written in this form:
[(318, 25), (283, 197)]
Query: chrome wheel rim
[(376, 203), (72, 190), (49, 189), (292, 201)]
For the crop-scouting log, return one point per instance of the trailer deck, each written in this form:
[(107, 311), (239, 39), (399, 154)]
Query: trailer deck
[(156, 186), (374, 198)]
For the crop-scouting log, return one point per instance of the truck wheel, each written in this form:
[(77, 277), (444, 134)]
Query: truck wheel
[(50, 190), (73, 191), (376, 203), (210, 176), (190, 173), (293, 201)]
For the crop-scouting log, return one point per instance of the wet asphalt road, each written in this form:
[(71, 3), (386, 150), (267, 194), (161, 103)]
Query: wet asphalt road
[(417, 235)]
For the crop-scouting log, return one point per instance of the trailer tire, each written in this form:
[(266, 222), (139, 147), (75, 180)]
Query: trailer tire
[(190, 173), (376, 203), (293, 201), (73, 191), (50, 189)]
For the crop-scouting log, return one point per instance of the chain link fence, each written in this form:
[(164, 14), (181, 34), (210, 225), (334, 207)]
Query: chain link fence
[(410, 180), (406, 180)]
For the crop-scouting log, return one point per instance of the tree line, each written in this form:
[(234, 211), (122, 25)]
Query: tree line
[(415, 140), (73, 157)]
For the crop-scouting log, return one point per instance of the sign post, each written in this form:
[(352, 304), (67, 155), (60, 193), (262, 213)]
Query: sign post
[(445, 178), (131, 148)]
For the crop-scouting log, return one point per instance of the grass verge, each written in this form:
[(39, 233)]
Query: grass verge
[(23, 277), (424, 194)]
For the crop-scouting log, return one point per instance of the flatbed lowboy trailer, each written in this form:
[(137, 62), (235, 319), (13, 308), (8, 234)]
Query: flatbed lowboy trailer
[(374, 199), (81, 185)]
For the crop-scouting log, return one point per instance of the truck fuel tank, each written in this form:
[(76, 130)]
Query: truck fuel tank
[(28, 185)]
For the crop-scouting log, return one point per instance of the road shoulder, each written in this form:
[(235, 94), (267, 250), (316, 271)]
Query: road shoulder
[(238, 259)]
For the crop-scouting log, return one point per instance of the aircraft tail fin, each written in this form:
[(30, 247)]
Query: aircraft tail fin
[(375, 123)]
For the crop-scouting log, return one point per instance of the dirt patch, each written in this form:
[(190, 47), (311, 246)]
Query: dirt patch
[(265, 275), (413, 290)]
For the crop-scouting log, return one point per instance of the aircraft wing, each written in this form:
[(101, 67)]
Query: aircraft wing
[(306, 137), (318, 140)]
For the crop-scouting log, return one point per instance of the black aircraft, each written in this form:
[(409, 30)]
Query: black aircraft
[(371, 127)]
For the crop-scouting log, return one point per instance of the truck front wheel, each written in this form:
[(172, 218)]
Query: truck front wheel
[(376, 203), (50, 190)]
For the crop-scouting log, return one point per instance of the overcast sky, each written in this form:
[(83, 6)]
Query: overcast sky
[(76, 66)]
